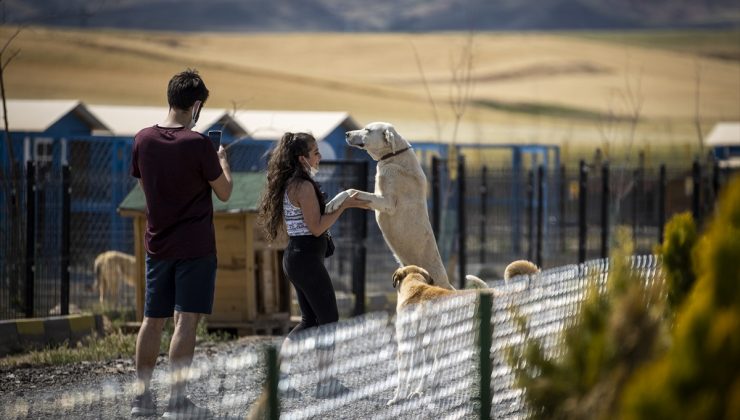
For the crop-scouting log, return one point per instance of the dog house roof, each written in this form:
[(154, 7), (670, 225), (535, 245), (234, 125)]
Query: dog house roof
[(34, 115), (244, 197)]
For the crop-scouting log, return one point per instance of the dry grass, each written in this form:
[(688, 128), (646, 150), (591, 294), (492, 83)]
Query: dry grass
[(544, 87)]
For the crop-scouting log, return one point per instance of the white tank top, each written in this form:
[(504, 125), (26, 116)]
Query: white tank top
[(294, 219)]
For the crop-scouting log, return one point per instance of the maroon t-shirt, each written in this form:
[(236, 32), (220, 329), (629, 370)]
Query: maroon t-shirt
[(175, 166)]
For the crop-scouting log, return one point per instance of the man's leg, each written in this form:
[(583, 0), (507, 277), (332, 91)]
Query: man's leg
[(182, 347), (147, 350)]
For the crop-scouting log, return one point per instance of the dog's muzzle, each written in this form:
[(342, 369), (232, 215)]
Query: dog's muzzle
[(350, 139)]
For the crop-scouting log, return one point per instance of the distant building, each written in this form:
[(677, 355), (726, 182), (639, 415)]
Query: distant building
[(126, 121), (34, 124), (328, 128), (724, 140)]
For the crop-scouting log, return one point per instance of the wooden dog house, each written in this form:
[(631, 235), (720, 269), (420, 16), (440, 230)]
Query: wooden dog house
[(252, 294)]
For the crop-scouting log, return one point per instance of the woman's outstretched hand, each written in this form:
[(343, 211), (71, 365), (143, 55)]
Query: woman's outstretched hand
[(353, 201)]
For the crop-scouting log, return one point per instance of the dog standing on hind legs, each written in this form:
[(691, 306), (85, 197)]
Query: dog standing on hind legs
[(399, 198)]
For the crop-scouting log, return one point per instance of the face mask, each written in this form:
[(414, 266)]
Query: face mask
[(195, 115), (310, 169)]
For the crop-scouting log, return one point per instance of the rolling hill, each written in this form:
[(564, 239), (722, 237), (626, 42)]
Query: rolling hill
[(375, 16)]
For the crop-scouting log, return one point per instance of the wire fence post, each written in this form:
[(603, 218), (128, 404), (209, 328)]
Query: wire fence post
[(582, 196), (540, 212), (661, 202), (435, 197), (359, 258), (64, 265), (561, 210), (461, 225), (483, 216), (696, 193), (30, 236), (530, 215), (273, 370), (605, 210), (485, 340)]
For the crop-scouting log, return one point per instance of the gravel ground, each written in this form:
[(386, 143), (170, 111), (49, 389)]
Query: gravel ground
[(229, 378), (103, 390)]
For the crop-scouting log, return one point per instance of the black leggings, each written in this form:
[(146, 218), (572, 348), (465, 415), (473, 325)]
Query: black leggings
[(303, 262)]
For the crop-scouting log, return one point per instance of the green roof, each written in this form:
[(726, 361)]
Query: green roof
[(244, 197)]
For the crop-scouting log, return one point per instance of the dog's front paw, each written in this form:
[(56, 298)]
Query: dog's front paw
[(336, 202)]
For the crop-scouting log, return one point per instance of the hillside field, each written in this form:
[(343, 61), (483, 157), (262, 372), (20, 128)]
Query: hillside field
[(578, 89)]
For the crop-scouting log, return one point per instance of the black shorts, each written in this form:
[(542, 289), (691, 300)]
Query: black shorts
[(183, 285)]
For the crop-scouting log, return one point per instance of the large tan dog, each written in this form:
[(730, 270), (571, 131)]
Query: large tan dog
[(416, 320), (399, 200), (114, 271)]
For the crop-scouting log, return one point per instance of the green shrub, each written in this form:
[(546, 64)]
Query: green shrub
[(676, 251), (615, 333), (699, 377)]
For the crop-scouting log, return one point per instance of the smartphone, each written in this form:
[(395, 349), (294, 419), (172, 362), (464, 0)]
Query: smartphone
[(215, 136)]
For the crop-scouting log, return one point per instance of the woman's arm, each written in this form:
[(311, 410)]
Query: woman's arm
[(309, 204)]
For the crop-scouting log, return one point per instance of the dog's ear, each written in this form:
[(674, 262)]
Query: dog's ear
[(390, 138)]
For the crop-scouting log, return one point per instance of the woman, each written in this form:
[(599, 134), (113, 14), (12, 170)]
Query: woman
[(293, 199)]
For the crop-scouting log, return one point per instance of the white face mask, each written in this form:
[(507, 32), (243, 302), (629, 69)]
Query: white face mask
[(310, 169)]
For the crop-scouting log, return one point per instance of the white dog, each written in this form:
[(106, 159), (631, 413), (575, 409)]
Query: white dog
[(399, 200)]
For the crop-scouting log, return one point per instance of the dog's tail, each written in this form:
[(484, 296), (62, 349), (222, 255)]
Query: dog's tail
[(520, 268), (473, 282)]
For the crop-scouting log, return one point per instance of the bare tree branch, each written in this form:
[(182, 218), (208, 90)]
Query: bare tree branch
[(430, 98), (697, 107)]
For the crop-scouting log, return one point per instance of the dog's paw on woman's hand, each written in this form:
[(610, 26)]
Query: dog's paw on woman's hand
[(336, 202)]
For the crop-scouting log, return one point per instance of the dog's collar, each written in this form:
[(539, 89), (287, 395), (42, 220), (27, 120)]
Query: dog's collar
[(390, 155)]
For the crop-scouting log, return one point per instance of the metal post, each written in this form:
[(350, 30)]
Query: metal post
[(30, 236), (273, 375), (605, 210), (461, 226), (561, 219), (696, 203), (516, 200), (64, 266), (635, 175), (485, 339), (540, 211), (715, 183), (661, 203), (359, 248), (435, 197), (483, 216), (530, 215), (582, 196)]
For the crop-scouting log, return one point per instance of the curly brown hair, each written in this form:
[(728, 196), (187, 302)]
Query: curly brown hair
[(282, 168)]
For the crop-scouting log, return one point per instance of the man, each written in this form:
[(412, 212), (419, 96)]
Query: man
[(177, 168)]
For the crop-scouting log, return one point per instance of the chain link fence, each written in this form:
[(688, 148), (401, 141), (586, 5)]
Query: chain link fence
[(457, 359)]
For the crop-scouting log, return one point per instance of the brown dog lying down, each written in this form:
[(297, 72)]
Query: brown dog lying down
[(414, 318)]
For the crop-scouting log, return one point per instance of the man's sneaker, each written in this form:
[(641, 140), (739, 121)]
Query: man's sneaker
[(185, 409), (143, 405), (330, 388)]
